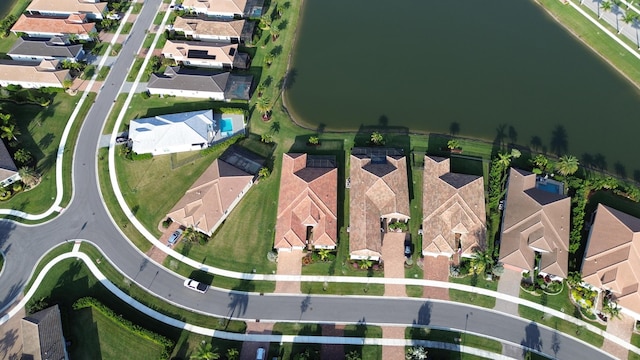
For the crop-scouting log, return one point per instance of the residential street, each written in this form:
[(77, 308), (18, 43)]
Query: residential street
[(86, 218)]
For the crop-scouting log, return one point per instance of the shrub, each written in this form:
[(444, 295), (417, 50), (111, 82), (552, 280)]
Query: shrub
[(230, 110), (166, 223), (86, 302), (16, 187), (5, 194), (145, 95)]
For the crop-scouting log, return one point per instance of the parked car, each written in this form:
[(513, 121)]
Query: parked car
[(121, 139), (260, 354), (113, 16), (407, 250), (174, 237), (501, 205), (196, 286)]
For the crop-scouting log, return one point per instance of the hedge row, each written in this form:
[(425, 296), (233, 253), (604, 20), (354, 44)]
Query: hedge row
[(167, 344), (232, 140)]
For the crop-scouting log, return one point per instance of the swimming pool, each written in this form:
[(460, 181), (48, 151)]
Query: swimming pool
[(226, 125), (549, 187)]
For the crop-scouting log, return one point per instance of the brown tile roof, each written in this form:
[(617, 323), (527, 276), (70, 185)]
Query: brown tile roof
[(183, 50), (217, 6), (208, 200), (612, 257), (206, 27), (46, 73), (308, 197), (379, 188), (534, 219), (70, 6), (72, 25), (452, 203)]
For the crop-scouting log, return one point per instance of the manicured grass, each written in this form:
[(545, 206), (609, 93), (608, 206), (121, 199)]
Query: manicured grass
[(137, 64), (113, 115), (342, 289), (158, 19), (218, 281), (477, 281), (597, 40), (291, 351), (41, 129), (126, 28), (454, 337), (415, 291), (102, 75), (560, 325), (114, 208), (153, 302), (472, 298), (560, 302), (71, 280), (137, 7), (88, 72), (162, 40), (297, 329), (94, 336), (148, 40), (7, 43), (451, 355), (370, 331), (635, 339)]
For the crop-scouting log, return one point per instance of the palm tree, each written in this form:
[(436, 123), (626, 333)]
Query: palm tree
[(9, 132), (266, 138), (268, 59), (22, 156), (540, 161), (29, 176), (377, 138), (605, 6), (261, 88), (611, 308), (264, 173), (453, 144), (481, 261), (628, 18), (323, 254), (504, 159), (416, 353), (567, 165), (263, 105), (5, 119), (265, 23), (205, 352), (233, 354), (313, 140), (366, 263), (275, 33)]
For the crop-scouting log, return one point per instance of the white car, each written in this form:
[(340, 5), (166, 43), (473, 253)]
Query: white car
[(196, 286), (113, 16)]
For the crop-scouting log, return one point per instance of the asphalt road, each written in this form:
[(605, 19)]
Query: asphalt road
[(87, 218)]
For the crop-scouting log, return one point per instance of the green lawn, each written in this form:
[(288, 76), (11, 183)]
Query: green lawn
[(158, 19), (102, 75), (137, 64), (342, 289), (597, 40), (94, 336), (477, 281), (41, 129), (137, 7), (454, 337), (156, 303), (472, 298), (126, 28), (560, 325), (58, 250)]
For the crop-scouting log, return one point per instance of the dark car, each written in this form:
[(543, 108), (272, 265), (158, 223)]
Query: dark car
[(407, 250)]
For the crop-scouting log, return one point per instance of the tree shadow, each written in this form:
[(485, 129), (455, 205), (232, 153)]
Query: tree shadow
[(636, 175), (600, 162), (290, 78), (454, 128), (559, 140), (275, 127), (321, 127), (46, 140), (536, 143), (283, 24), (268, 81), (513, 134), (276, 51), (383, 121), (424, 314), (239, 299), (620, 169), (555, 343), (531, 338), (7, 341), (305, 305)]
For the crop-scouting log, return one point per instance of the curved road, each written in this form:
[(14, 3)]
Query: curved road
[(87, 218)]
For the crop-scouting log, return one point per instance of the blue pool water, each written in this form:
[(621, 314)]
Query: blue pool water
[(549, 187), (226, 125)]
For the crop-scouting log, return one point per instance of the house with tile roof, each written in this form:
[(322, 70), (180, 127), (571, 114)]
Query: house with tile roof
[(8, 169), (42, 336), (36, 50), (187, 131), (206, 54), (454, 214), (535, 226), (378, 196), (225, 8), (93, 9), (217, 191), (195, 83), (48, 73), (612, 256), (45, 27), (307, 203), (234, 31)]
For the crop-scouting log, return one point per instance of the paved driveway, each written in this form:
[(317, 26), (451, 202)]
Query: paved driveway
[(436, 268), (393, 257), (289, 263)]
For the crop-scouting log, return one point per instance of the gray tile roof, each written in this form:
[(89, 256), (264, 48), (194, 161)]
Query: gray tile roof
[(7, 167), (199, 80), (42, 335), (44, 47)]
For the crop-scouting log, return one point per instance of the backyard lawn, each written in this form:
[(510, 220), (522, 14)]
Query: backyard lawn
[(94, 336), (41, 129)]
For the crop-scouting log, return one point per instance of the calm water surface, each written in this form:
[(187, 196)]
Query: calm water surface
[(5, 7), (427, 64)]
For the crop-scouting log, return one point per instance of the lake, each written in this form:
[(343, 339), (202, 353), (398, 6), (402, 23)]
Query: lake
[(426, 65), (5, 7)]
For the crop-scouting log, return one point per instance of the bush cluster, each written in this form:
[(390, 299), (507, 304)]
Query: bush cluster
[(86, 302)]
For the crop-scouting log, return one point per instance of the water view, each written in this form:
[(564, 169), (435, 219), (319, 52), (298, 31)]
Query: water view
[(426, 65)]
